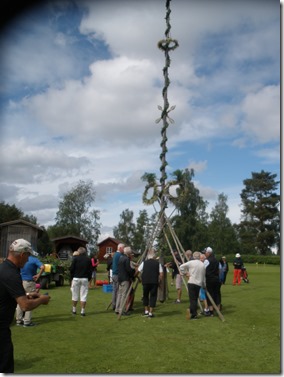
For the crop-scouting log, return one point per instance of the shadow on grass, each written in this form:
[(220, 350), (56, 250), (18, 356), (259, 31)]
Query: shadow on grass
[(53, 318), (26, 364)]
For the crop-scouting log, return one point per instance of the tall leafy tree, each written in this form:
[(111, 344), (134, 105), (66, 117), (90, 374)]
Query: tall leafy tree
[(11, 212), (190, 223), (75, 214), (259, 228), (125, 230), (143, 230), (222, 235)]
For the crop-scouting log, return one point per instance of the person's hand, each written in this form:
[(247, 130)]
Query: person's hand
[(45, 298), (32, 295)]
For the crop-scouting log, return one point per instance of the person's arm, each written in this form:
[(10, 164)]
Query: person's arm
[(32, 300), (183, 268), (37, 276), (161, 273)]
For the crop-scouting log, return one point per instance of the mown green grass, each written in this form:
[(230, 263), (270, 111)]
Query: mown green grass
[(247, 342)]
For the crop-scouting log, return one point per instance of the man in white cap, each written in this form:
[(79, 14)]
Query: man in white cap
[(12, 293), (213, 284), (238, 264)]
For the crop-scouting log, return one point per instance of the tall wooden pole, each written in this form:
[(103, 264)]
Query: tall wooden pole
[(166, 45)]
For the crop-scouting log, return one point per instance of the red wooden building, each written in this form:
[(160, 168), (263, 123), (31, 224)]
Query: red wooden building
[(107, 246)]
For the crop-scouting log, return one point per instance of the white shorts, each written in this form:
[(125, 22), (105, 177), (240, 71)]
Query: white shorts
[(79, 289)]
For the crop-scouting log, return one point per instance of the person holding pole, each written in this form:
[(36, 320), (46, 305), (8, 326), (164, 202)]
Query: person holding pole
[(125, 277), (195, 270), (213, 284)]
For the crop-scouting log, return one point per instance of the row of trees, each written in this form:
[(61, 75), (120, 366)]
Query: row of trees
[(257, 233)]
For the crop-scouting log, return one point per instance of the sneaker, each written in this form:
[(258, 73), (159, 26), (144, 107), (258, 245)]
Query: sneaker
[(31, 324), (151, 315), (83, 314), (177, 301), (209, 314), (194, 317), (73, 312), (20, 323), (205, 312), (146, 314)]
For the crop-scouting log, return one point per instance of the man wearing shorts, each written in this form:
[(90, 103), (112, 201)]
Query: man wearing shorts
[(81, 274)]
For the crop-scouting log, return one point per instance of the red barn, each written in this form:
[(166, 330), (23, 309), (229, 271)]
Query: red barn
[(107, 246)]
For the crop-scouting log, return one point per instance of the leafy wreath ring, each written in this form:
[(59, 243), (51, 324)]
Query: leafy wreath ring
[(168, 44), (156, 193)]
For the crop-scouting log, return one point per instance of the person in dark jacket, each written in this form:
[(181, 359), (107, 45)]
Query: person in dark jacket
[(152, 275), (125, 277), (213, 285), (224, 269), (81, 274)]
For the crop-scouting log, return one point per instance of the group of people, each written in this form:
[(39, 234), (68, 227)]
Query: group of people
[(21, 270), (125, 271)]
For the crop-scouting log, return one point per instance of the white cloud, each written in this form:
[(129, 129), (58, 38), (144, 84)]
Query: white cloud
[(262, 116), (73, 117)]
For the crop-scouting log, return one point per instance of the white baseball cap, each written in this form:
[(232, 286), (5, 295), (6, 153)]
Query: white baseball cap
[(22, 246)]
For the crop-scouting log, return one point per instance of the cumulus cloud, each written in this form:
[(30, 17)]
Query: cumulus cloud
[(261, 114), (80, 97)]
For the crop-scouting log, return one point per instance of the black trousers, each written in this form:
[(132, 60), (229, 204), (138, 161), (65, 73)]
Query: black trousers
[(6, 351), (193, 293), (150, 294), (214, 289)]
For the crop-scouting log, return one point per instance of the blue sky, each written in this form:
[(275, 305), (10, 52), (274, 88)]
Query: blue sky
[(81, 82)]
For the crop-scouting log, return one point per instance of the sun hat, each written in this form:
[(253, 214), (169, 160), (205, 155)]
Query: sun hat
[(238, 255), (22, 246)]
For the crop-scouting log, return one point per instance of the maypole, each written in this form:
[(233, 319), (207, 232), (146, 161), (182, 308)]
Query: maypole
[(161, 191)]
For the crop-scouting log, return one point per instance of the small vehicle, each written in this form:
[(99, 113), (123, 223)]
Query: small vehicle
[(51, 273), (244, 275)]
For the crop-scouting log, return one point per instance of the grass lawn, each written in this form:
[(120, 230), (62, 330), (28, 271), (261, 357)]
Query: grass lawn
[(247, 342)]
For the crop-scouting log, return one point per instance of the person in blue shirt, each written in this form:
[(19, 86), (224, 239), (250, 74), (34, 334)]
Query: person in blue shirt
[(115, 259), (29, 276)]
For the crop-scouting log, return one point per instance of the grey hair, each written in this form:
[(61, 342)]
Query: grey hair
[(120, 246), (196, 255), (81, 250), (188, 253), (151, 254)]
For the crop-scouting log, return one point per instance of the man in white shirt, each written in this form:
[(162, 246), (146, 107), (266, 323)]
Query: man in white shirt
[(195, 270)]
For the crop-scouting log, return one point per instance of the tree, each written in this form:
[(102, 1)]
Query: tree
[(190, 223), (75, 214), (260, 225), (44, 245), (11, 212), (126, 228), (222, 235)]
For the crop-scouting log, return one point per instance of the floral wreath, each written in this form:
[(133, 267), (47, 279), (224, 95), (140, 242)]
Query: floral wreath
[(168, 44)]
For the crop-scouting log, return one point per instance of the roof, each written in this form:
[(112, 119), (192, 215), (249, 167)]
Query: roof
[(20, 221), (68, 237), (115, 240)]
